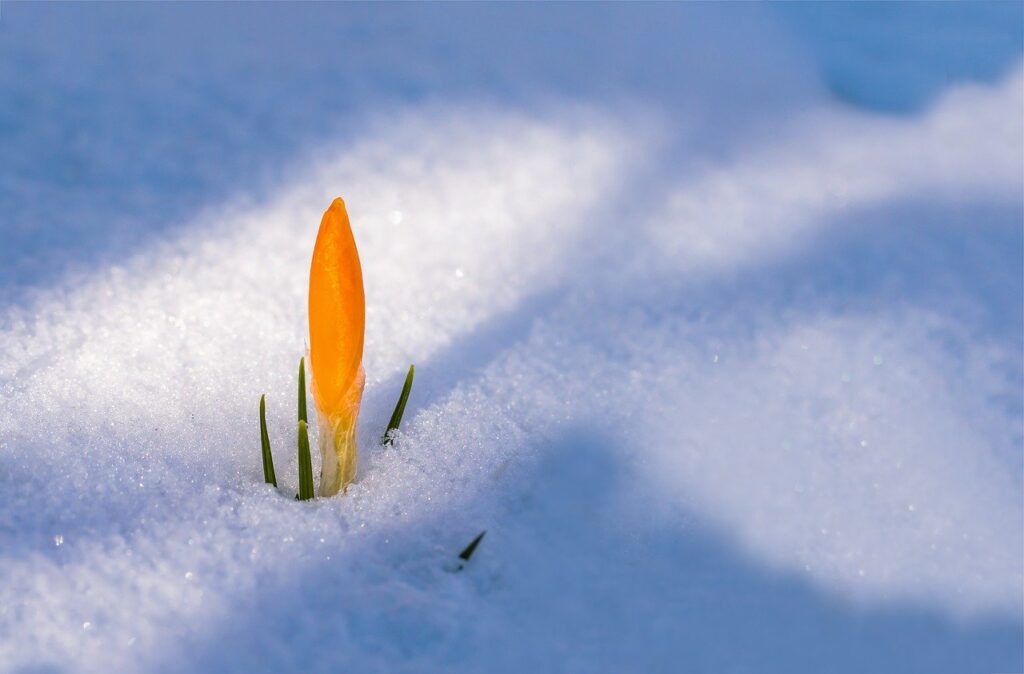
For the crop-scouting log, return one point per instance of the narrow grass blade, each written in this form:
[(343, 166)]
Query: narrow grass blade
[(305, 465), (396, 416), (302, 390), (471, 548), (268, 459)]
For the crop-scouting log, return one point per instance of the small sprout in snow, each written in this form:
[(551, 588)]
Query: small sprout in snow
[(268, 459), (471, 548), (396, 416), (305, 465)]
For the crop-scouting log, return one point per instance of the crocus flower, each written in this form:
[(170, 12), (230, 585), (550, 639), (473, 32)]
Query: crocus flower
[(337, 320)]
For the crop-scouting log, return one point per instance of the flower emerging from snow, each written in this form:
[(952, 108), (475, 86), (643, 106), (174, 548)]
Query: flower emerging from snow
[(337, 318)]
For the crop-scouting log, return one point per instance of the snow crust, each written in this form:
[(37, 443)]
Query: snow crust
[(731, 388)]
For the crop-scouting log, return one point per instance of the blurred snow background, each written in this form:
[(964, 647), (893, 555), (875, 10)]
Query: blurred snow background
[(716, 311)]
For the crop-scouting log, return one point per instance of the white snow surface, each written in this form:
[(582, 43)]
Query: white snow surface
[(727, 364)]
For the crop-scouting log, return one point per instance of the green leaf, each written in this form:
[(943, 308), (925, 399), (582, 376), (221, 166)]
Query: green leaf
[(302, 390), (396, 416), (268, 459), (305, 465), (471, 548)]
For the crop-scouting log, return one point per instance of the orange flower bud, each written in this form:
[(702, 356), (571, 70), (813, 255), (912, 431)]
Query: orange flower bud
[(337, 323)]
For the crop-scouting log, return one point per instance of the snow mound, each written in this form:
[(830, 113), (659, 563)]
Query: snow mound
[(724, 407)]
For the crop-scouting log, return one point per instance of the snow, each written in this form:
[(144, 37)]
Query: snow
[(718, 334)]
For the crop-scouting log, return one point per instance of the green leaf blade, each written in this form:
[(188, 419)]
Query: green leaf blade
[(302, 391), (396, 416), (305, 465), (471, 548), (268, 458)]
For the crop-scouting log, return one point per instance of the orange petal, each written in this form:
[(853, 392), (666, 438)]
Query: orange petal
[(337, 314)]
